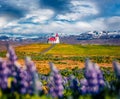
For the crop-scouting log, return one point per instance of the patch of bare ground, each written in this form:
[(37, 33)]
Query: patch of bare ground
[(43, 66)]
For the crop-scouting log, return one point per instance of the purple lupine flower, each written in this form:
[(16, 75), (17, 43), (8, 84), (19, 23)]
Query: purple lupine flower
[(30, 66), (29, 79), (35, 82), (100, 77), (83, 89), (55, 84), (23, 80), (84, 86), (84, 82), (11, 54), (51, 89), (4, 74), (94, 81), (9, 70), (12, 64)]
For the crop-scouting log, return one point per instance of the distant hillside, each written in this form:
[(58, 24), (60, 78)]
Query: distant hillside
[(75, 40)]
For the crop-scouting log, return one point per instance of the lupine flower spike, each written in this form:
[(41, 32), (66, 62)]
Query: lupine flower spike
[(4, 73), (11, 54), (94, 81), (37, 85), (55, 84)]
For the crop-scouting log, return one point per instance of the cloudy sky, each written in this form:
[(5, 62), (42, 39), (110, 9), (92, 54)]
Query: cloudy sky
[(62, 16)]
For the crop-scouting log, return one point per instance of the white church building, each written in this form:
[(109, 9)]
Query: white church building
[(54, 40)]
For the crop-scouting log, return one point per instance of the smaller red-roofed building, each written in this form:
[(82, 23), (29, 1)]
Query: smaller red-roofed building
[(54, 40)]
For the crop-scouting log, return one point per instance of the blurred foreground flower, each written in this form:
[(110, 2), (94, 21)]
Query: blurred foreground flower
[(55, 84), (12, 76), (29, 82), (93, 81), (4, 74), (11, 54)]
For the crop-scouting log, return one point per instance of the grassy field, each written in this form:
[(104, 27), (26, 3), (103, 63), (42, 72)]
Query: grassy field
[(66, 55), (85, 50), (32, 48)]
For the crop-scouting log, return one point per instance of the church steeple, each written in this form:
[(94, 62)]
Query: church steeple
[(57, 35)]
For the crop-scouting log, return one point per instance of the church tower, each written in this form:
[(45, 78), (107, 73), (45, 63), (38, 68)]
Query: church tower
[(57, 38)]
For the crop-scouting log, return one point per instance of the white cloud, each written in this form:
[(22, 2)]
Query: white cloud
[(26, 24), (66, 27), (60, 27), (114, 19), (113, 23), (40, 15), (98, 24), (24, 4), (53, 26), (46, 24), (38, 20), (79, 10), (3, 21)]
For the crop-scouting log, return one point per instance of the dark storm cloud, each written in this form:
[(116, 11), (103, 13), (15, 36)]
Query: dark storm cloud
[(57, 5), (11, 10)]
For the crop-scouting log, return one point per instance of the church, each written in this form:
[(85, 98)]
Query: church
[(54, 40)]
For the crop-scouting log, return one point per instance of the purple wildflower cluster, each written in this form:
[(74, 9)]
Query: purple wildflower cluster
[(15, 78), (8, 69), (55, 85), (93, 81), (28, 79), (4, 74)]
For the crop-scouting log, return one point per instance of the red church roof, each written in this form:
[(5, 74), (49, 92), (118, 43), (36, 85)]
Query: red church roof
[(52, 39)]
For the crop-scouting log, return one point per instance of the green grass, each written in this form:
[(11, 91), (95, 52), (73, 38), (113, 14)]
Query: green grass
[(76, 52), (85, 50), (67, 49)]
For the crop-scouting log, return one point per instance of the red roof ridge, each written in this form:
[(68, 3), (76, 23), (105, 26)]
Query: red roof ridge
[(52, 39)]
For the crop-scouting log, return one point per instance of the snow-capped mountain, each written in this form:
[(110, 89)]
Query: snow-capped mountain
[(19, 37)]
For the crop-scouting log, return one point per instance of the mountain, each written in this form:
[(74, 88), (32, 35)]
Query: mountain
[(20, 37), (108, 36)]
